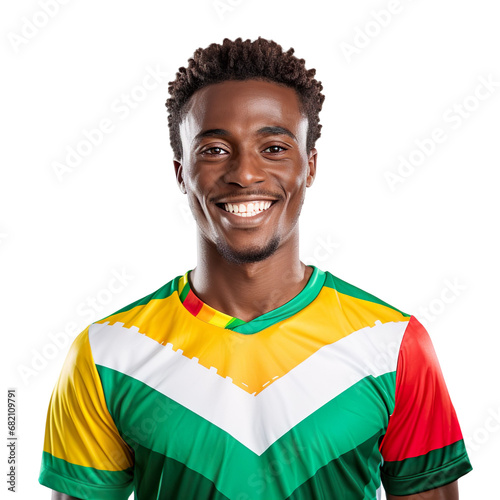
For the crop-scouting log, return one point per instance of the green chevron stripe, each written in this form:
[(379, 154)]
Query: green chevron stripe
[(337, 476), (139, 412), (165, 477), (179, 481)]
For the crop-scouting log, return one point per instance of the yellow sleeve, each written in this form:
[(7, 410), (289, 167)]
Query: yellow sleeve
[(84, 454)]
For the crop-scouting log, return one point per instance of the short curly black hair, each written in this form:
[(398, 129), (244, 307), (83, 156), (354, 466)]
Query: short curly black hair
[(244, 60)]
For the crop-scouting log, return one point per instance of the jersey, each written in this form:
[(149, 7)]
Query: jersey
[(330, 395)]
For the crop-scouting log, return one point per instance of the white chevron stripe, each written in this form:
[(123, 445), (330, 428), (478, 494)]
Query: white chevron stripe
[(256, 421)]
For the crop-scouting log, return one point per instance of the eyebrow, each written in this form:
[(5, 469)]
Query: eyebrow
[(276, 131), (213, 132), (218, 132)]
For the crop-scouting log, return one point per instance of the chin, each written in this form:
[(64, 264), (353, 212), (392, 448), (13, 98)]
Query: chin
[(248, 255)]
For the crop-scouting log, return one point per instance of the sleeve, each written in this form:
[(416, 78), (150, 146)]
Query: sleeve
[(84, 455), (423, 447)]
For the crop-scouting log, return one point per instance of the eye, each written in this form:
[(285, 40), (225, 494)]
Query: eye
[(214, 151), (274, 149)]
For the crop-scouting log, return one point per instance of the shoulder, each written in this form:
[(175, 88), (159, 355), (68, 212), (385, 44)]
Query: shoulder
[(355, 300), (145, 314), (164, 292), (361, 323)]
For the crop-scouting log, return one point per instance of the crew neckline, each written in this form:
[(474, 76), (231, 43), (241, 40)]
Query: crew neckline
[(203, 312)]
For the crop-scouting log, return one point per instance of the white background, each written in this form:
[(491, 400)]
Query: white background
[(433, 237)]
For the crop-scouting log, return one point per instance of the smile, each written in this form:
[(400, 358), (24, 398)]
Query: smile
[(248, 209)]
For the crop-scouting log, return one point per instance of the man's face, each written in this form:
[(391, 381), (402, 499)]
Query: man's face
[(245, 167)]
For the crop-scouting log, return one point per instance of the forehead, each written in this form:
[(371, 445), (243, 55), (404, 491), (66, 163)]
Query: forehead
[(243, 106)]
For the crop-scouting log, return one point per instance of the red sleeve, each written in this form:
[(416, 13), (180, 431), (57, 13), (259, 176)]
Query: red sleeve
[(423, 447)]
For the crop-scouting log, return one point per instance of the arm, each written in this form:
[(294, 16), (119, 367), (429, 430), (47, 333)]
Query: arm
[(56, 495), (448, 492)]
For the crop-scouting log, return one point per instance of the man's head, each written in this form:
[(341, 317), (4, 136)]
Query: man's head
[(244, 60), (244, 147)]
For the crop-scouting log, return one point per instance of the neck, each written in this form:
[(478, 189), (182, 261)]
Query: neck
[(247, 291)]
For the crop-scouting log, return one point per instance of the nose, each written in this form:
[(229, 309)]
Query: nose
[(244, 169)]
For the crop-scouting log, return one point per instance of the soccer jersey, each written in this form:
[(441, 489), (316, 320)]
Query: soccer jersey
[(328, 396)]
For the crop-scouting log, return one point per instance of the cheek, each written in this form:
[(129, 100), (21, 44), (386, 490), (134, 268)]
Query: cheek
[(199, 186), (202, 179), (295, 185), (194, 182)]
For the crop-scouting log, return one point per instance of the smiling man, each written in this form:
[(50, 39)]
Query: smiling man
[(254, 375)]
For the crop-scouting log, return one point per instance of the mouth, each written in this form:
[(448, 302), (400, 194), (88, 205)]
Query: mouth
[(248, 208)]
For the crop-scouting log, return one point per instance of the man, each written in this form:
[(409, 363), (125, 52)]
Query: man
[(254, 375)]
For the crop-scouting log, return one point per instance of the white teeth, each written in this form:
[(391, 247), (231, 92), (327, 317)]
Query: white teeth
[(247, 210)]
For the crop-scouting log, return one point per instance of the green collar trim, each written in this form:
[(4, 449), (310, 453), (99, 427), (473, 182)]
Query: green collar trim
[(293, 306)]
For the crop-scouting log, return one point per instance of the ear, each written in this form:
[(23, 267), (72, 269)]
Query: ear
[(311, 165), (179, 175)]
